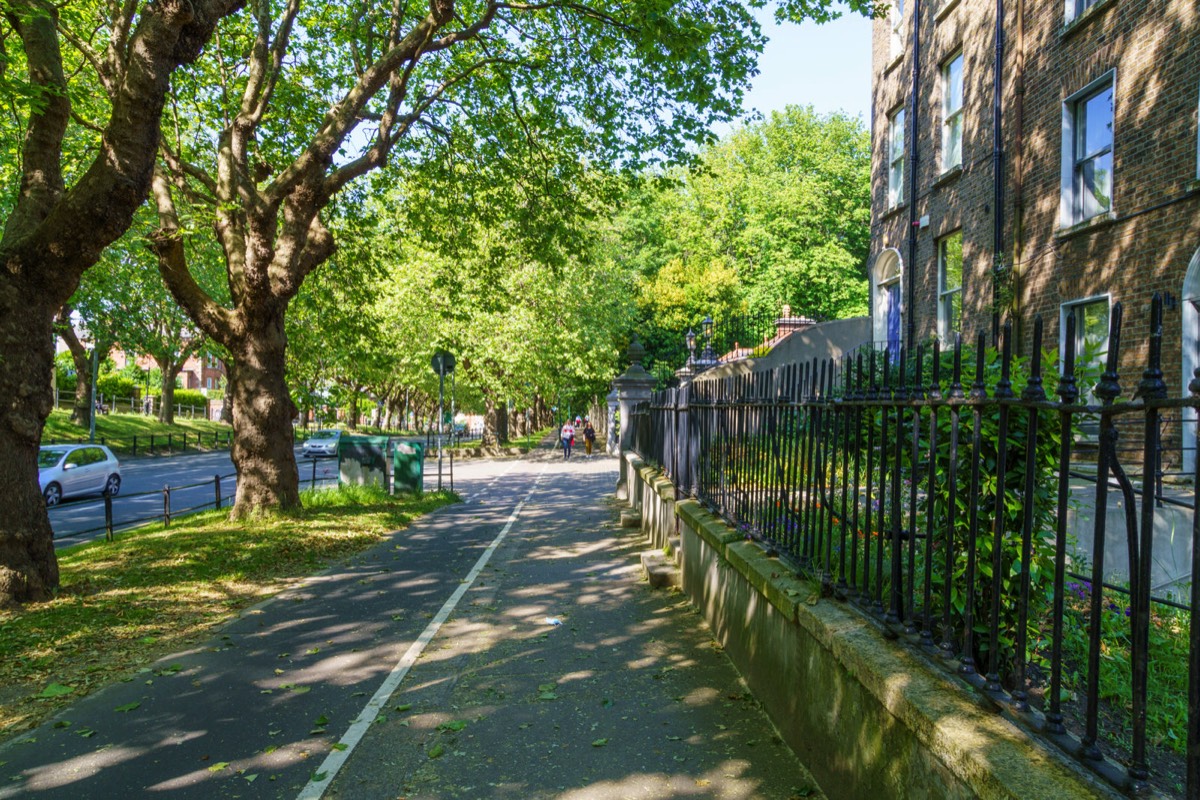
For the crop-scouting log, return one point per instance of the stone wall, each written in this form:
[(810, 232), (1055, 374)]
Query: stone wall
[(869, 718)]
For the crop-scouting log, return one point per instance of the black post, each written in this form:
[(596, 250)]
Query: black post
[(166, 492), (217, 491), (108, 522)]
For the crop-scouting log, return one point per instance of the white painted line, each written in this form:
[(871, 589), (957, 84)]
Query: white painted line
[(333, 762)]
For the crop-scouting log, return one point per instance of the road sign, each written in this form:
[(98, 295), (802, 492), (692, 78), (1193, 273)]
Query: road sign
[(442, 362)]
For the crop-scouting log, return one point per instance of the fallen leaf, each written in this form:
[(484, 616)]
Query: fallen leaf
[(126, 708), (339, 746), (599, 742), (250, 778), (217, 767), (436, 751), (56, 690)]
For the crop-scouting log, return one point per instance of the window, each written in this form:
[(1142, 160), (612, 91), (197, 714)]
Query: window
[(1091, 338), (952, 113), (1088, 153), (896, 18), (896, 159), (1076, 8), (950, 287)]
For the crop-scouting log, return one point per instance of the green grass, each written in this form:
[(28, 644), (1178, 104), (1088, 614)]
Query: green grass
[(152, 591), (117, 430), (1166, 713)]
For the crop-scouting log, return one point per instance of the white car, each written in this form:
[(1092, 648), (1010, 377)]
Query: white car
[(322, 443), (69, 470)]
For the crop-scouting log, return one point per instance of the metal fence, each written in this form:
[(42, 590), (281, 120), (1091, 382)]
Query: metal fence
[(109, 514), (155, 443), (930, 490)]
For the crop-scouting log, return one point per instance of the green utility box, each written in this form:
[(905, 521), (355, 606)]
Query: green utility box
[(362, 460), (408, 467)]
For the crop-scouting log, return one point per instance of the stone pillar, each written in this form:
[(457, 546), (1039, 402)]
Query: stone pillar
[(633, 387), (611, 428)]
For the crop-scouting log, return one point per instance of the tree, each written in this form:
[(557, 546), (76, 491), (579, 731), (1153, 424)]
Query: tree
[(124, 303), (82, 153), (777, 213), (557, 82)]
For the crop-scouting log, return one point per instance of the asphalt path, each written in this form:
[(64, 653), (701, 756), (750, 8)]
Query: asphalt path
[(253, 712), (193, 478)]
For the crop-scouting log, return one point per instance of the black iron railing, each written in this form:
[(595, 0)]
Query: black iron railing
[(931, 490)]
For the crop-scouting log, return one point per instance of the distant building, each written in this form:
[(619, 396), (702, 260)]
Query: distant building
[(199, 372)]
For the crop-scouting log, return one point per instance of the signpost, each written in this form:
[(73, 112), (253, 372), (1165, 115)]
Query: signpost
[(443, 364)]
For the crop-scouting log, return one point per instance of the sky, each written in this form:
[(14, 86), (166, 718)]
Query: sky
[(827, 66)]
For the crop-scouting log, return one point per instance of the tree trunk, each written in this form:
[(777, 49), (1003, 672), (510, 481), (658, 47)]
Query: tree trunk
[(81, 414), (502, 423), (28, 567), (263, 441), (491, 423), (166, 406)]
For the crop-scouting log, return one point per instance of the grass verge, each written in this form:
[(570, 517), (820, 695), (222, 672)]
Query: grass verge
[(117, 430), (125, 604)]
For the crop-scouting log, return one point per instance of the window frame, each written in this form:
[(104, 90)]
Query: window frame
[(896, 124), (1074, 9), (948, 114), (1071, 212), (1073, 307), (946, 296), (896, 29)]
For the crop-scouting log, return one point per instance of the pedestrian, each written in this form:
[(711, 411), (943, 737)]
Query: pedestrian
[(568, 439), (589, 436)]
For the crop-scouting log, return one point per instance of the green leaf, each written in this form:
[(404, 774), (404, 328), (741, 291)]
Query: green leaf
[(56, 690), (339, 746), (217, 767), (436, 751), (126, 708), (599, 742)]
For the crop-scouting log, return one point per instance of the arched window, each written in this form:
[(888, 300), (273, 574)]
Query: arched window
[(885, 322), (1191, 354)]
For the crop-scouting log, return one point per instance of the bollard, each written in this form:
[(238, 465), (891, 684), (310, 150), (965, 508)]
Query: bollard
[(152, 444), (135, 444), (185, 442), (170, 443), (312, 484), (108, 528), (451, 469), (217, 489), (166, 506)]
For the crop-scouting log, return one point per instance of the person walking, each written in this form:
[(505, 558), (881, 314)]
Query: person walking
[(589, 436), (568, 439)]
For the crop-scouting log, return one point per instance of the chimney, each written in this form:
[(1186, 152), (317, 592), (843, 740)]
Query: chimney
[(787, 324)]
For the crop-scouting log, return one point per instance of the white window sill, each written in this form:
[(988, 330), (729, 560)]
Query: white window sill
[(1091, 224), (1084, 19), (945, 10)]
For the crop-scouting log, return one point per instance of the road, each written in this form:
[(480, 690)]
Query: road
[(141, 497)]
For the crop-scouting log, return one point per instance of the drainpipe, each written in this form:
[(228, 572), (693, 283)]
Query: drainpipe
[(998, 267), (913, 162), (1018, 161)]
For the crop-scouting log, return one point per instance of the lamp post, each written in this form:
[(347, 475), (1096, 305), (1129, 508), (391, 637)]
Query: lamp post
[(442, 363)]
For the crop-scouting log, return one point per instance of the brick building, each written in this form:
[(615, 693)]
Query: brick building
[(203, 372), (1090, 122)]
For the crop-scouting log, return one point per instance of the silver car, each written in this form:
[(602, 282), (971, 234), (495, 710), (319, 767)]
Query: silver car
[(69, 470), (321, 443)]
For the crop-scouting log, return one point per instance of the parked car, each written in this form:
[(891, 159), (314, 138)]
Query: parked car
[(70, 470), (322, 443)]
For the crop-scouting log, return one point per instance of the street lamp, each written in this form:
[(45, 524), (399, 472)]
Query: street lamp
[(691, 346)]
